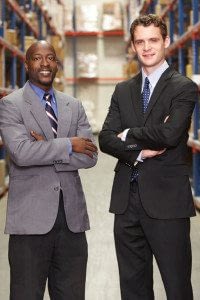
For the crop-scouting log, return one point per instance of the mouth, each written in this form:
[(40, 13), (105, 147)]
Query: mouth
[(148, 55), (45, 72)]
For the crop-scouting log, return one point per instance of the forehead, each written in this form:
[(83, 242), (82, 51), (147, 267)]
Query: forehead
[(42, 49), (143, 32)]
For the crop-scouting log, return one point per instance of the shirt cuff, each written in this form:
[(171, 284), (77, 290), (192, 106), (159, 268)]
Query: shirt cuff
[(139, 158), (124, 134)]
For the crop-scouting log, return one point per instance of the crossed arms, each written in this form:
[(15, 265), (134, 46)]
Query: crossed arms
[(151, 140), (24, 150)]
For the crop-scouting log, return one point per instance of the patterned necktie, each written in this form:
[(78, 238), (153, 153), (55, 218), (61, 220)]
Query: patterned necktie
[(145, 102), (50, 113), (134, 174), (145, 95)]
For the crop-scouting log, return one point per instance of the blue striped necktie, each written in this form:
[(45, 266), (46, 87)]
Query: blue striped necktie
[(50, 113)]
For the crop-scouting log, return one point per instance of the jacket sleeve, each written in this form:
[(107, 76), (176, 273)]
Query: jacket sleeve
[(170, 133), (108, 140), (79, 160), (25, 151)]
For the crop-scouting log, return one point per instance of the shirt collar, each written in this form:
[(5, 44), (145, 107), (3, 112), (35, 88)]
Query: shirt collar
[(40, 92), (154, 76)]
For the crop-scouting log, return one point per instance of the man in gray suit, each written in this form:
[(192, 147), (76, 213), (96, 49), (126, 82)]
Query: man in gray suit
[(48, 138)]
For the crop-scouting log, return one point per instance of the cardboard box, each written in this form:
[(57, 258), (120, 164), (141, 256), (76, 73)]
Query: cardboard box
[(11, 36), (28, 41)]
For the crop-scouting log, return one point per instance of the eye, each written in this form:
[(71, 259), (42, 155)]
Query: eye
[(51, 57), (154, 40), (139, 42), (36, 58)]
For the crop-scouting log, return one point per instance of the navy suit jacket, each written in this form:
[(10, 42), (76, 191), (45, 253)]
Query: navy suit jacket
[(163, 180)]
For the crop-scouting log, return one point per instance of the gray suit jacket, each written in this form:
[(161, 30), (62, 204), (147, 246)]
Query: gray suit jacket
[(39, 169)]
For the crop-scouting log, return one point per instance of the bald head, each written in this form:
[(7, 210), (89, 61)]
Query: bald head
[(41, 64), (37, 45)]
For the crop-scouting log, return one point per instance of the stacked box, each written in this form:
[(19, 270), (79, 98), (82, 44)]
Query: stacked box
[(87, 18), (11, 36), (28, 41), (87, 65), (57, 43), (112, 16), (68, 18), (189, 70)]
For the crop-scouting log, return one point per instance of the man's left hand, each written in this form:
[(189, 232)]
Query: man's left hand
[(37, 136)]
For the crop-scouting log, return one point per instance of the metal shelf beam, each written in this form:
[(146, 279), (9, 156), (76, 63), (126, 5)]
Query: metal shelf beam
[(168, 8), (16, 8), (13, 49), (192, 33), (47, 18)]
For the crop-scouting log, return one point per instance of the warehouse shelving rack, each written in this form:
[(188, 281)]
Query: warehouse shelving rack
[(176, 7), (74, 35)]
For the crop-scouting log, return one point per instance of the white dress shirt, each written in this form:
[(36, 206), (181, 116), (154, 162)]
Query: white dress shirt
[(153, 79)]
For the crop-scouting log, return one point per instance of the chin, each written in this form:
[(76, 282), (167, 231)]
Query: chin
[(46, 83)]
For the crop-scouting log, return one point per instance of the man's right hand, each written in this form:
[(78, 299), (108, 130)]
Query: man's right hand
[(83, 145), (151, 153)]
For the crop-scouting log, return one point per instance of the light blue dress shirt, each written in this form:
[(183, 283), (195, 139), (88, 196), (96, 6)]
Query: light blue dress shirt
[(40, 93), (154, 77)]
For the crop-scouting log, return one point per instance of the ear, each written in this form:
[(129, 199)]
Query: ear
[(167, 42), (133, 47)]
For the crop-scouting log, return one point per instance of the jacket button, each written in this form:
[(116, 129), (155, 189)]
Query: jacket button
[(56, 188)]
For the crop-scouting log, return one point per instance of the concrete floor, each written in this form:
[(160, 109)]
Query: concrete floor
[(102, 274)]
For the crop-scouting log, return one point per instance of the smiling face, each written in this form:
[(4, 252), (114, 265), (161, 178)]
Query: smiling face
[(149, 46), (41, 64)]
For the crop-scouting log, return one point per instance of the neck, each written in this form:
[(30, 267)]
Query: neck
[(149, 70), (42, 87)]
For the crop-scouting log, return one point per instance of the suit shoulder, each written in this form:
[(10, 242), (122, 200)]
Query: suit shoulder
[(126, 83), (182, 81), (14, 96)]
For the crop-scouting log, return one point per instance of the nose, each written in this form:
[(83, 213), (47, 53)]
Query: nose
[(44, 61), (147, 46)]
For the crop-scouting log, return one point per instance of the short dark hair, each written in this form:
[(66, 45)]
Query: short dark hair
[(147, 20)]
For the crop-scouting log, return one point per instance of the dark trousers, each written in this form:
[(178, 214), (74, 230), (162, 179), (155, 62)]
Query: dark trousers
[(59, 256), (137, 238)]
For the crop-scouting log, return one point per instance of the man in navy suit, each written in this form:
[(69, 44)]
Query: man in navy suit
[(146, 129)]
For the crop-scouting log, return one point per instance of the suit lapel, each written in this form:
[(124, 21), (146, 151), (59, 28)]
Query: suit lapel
[(135, 87), (38, 111), (160, 86), (64, 114)]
